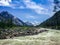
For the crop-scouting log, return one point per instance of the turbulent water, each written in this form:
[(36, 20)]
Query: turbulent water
[(52, 37)]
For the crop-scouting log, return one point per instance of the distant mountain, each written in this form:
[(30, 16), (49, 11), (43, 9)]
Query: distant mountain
[(29, 23), (9, 19), (53, 22)]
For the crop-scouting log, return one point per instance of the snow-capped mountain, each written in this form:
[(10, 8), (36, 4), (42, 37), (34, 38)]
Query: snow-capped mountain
[(29, 23)]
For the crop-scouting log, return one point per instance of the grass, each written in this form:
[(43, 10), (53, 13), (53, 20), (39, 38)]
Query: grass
[(52, 37)]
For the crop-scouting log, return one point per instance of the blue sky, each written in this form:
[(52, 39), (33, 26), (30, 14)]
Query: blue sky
[(34, 11)]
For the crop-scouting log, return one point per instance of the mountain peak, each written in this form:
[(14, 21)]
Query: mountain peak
[(9, 18)]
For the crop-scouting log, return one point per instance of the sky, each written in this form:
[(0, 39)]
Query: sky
[(34, 11)]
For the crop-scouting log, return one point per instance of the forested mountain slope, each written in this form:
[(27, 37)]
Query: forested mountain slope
[(53, 22)]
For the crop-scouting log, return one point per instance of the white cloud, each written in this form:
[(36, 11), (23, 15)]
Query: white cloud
[(22, 7), (5, 2), (36, 22), (9, 3), (39, 9), (51, 1), (32, 5), (30, 17)]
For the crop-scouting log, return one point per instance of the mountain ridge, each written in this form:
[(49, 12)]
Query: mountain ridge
[(52, 22), (9, 19)]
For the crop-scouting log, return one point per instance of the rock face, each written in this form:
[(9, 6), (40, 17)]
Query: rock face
[(53, 22)]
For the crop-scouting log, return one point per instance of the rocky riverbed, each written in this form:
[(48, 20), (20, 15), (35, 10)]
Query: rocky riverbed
[(10, 33)]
